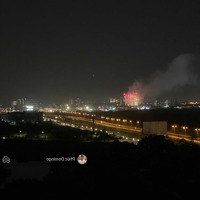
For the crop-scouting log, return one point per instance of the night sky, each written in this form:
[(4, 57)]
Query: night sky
[(54, 50)]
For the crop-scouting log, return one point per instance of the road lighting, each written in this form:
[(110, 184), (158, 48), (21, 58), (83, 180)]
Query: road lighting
[(138, 124), (112, 119), (174, 127), (197, 130), (93, 122), (185, 129)]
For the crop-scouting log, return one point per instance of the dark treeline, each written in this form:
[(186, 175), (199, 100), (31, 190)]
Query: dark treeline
[(50, 131), (155, 168)]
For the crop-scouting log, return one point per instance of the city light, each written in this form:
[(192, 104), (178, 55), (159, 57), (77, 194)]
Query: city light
[(174, 127), (29, 108), (197, 130), (100, 98), (184, 128)]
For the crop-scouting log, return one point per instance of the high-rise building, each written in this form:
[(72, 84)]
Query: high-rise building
[(114, 100), (121, 101), (71, 102), (24, 104), (77, 102)]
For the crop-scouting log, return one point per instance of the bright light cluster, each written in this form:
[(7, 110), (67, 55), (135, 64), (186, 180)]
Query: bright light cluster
[(132, 98)]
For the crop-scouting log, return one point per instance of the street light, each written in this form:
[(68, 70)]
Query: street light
[(138, 124), (185, 129), (174, 127), (197, 130)]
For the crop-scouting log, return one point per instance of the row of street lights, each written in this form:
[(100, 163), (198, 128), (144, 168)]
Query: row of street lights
[(118, 120), (185, 128), (197, 130)]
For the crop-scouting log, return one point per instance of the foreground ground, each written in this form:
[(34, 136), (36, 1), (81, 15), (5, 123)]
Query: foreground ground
[(156, 168)]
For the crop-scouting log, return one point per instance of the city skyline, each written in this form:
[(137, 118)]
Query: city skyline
[(113, 83)]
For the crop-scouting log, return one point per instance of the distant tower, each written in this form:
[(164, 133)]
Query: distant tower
[(71, 102), (78, 102), (121, 101)]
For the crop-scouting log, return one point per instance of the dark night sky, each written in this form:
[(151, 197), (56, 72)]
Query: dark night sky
[(52, 50)]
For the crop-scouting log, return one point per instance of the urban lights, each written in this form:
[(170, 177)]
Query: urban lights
[(197, 130), (185, 128), (174, 127)]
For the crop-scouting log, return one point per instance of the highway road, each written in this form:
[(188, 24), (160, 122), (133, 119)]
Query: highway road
[(121, 132), (130, 130), (108, 124)]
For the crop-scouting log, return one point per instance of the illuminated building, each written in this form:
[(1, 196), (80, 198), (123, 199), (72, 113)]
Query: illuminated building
[(113, 100), (24, 105)]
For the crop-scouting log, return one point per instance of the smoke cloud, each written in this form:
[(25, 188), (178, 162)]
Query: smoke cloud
[(182, 71)]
